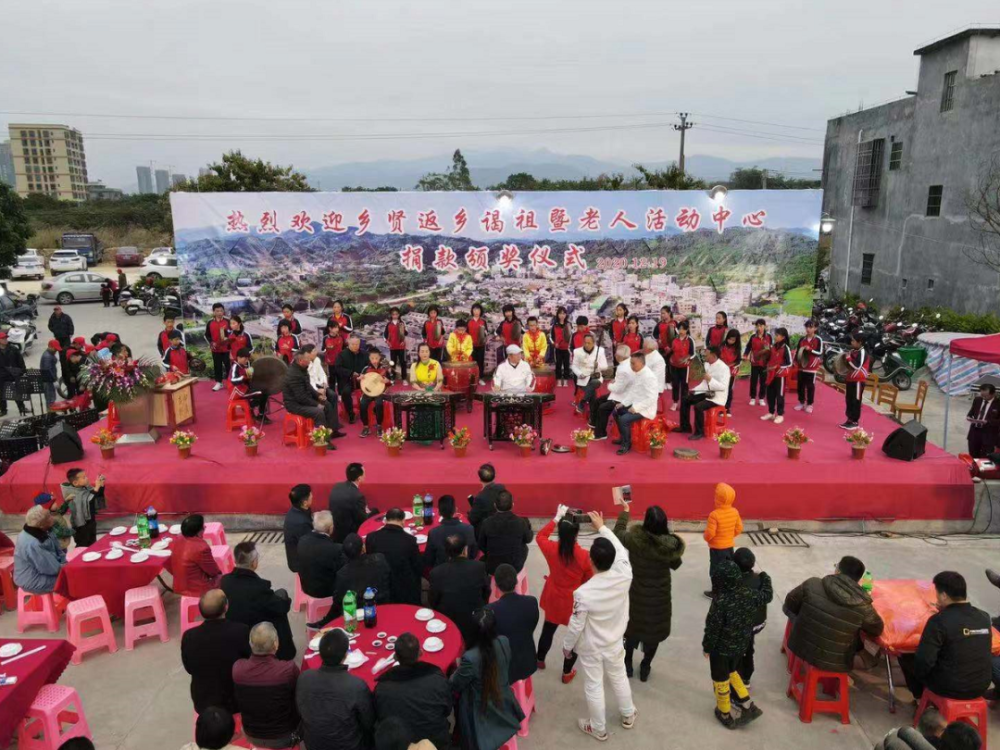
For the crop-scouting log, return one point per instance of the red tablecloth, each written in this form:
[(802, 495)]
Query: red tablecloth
[(109, 578), (377, 522), (33, 673), (396, 619)]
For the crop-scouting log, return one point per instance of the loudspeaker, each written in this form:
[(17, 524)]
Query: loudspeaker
[(64, 444), (907, 443)]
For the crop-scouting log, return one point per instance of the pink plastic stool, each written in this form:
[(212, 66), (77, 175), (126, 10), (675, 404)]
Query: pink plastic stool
[(524, 691), (299, 600), (223, 557), (136, 602), (75, 553), (214, 533), (190, 613), (520, 588), (47, 616), (87, 610), (42, 728), (317, 608), (510, 744)]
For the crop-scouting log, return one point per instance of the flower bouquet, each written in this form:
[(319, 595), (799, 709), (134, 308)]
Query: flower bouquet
[(121, 382), (524, 437), (727, 439), (251, 437), (393, 440), (657, 439), (581, 437), (183, 440), (859, 441), (106, 439), (459, 439), (794, 438), (320, 439)]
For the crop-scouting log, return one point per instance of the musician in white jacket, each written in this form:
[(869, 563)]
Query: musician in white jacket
[(588, 363), (655, 361), (643, 397), (601, 408), (713, 390), (596, 629), (514, 374)]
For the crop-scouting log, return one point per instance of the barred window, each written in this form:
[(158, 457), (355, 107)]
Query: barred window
[(868, 173)]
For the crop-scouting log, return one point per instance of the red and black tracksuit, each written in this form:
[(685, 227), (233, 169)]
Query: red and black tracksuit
[(779, 363), (163, 340), (217, 335), (345, 323), (807, 374), (561, 337), (731, 357), (177, 360), (434, 336), (395, 336), (578, 338), (240, 381), (664, 332), (238, 340), (633, 341), (511, 332), (860, 365), (378, 401), (293, 322), (618, 330), (758, 373), (716, 336), (477, 329), (679, 349), (286, 347)]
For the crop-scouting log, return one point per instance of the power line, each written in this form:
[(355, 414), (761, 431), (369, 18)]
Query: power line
[(759, 122)]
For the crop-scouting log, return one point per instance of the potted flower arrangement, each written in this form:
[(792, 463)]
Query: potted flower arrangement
[(183, 440), (524, 437), (727, 440), (393, 440), (794, 438), (320, 438), (581, 437), (657, 439), (459, 439), (251, 437), (859, 440), (106, 439)]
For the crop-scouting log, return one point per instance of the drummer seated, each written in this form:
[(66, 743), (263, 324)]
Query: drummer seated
[(513, 375), (378, 366)]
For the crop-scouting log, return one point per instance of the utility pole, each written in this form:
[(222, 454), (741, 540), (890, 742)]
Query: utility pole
[(683, 127), (764, 179)]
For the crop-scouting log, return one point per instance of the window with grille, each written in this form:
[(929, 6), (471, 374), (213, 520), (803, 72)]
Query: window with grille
[(948, 92), (930, 285), (895, 155), (935, 193), (868, 173), (867, 263)]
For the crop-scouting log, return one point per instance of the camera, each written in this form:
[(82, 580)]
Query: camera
[(577, 516)]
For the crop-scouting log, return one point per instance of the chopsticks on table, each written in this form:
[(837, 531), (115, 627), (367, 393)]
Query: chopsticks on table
[(12, 659)]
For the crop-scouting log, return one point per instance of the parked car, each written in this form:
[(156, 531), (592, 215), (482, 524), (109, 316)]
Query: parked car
[(158, 252), (28, 267), (29, 253), (127, 256), (74, 287), (66, 260), (161, 267)]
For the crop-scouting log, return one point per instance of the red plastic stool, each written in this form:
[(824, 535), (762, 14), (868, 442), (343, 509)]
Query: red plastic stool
[(144, 601), (641, 430), (238, 413), (42, 728), (48, 615), (386, 415), (715, 421), (295, 430), (342, 410), (784, 645), (521, 587), (802, 685), (974, 712), (524, 691), (87, 610), (510, 744)]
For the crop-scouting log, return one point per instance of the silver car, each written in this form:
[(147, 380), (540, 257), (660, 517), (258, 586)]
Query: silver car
[(73, 287)]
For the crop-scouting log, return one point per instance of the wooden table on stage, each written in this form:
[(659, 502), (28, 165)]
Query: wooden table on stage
[(502, 412), (173, 404), (430, 415)]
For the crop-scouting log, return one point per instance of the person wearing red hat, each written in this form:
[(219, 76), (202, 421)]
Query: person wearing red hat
[(71, 372), (11, 369), (48, 370)]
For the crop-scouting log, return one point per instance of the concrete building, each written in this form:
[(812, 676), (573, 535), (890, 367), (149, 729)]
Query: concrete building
[(162, 181), (177, 179), (48, 159), (98, 191), (6, 164), (145, 175), (896, 178)]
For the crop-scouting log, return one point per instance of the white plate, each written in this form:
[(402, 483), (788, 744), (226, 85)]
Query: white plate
[(140, 557), (175, 529), (436, 626), (314, 643), (133, 529), (355, 659), (8, 650), (390, 646), (162, 544), (118, 531), (392, 639), (424, 614), (421, 539), (408, 515), (114, 554), (91, 556), (433, 644)]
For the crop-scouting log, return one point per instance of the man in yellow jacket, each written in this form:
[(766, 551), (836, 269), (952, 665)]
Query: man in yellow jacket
[(535, 344), (460, 343)]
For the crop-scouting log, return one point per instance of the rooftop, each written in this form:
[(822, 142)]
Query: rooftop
[(957, 36)]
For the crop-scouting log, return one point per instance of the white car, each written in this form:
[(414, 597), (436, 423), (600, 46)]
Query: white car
[(161, 267), (66, 260), (162, 252), (28, 267), (73, 287)]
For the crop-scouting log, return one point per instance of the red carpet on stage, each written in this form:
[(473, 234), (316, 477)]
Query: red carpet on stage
[(825, 484)]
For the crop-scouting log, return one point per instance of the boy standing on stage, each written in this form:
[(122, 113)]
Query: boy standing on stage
[(395, 337), (176, 356), (217, 335), (807, 372), (163, 340), (535, 344), (333, 345), (857, 360), (779, 363), (681, 351), (582, 329), (756, 352)]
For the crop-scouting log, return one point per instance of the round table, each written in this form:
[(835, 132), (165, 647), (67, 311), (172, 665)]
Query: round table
[(396, 619), (377, 522)]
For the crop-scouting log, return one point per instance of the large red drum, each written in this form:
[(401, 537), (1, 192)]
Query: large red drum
[(545, 382), (461, 377)]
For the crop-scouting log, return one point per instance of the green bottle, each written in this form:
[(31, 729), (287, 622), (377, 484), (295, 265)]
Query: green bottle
[(350, 612), (142, 526), (867, 582)]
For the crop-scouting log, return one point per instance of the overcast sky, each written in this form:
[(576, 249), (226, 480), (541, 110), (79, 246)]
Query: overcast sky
[(462, 62)]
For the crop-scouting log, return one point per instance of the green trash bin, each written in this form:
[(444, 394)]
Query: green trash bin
[(914, 356)]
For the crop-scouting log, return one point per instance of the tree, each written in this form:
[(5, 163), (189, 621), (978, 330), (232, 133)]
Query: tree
[(237, 173), (14, 227), (671, 178), (983, 204), (457, 178)]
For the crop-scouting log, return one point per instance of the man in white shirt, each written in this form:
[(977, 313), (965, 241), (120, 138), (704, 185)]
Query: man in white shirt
[(643, 396), (588, 363), (596, 629), (513, 375), (655, 361), (713, 390), (601, 408)]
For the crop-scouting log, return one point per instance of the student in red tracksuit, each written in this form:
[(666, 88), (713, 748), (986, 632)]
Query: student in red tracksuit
[(633, 336), (779, 364), (239, 377), (582, 329), (664, 332), (163, 340), (717, 334), (681, 350), (288, 316), (756, 352), (288, 342), (510, 332), (619, 325), (807, 374), (730, 353), (860, 364), (333, 345), (375, 364), (479, 330), (217, 336), (559, 336), (433, 331), (238, 338), (342, 319), (395, 336), (176, 357)]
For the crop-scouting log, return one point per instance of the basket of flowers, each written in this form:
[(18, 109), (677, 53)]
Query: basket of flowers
[(794, 438), (251, 437), (393, 440), (859, 441), (183, 439), (524, 437), (727, 440), (459, 440), (106, 439)]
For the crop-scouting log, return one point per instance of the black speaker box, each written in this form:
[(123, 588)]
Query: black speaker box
[(907, 443), (64, 444)]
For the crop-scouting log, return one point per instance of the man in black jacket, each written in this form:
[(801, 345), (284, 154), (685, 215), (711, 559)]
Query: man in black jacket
[(348, 505), (503, 537), (984, 422), (336, 706), (301, 398), (402, 552), (416, 692), (360, 572), (746, 560), (320, 558), (11, 369), (483, 505), (350, 363), (830, 613), (252, 600), (298, 522), (517, 616), (449, 526), (459, 587), (953, 659), (209, 651), (61, 326)]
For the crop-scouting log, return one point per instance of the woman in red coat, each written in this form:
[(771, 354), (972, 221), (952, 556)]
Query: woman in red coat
[(569, 567)]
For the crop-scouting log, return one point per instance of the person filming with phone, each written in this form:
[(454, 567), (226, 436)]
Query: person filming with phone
[(83, 501)]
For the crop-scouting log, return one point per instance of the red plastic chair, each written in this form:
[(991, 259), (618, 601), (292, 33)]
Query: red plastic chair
[(802, 685), (238, 411), (715, 421), (295, 430), (974, 712), (386, 415)]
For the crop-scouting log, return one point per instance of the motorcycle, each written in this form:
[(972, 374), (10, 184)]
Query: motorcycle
[(147, 301), (20, 333)]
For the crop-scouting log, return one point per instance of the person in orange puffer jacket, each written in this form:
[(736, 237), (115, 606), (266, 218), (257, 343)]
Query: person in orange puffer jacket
[(724, 525)]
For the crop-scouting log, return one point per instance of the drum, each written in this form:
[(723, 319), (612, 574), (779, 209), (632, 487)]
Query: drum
[(460, 377), (696, 371), (268, 374), (545, 382)]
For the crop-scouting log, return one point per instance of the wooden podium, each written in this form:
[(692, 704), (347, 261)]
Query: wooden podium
[(173, 404)]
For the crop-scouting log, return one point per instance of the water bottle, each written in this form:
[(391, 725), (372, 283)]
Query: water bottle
[(418, 510), (371, 616), (867, 582), (142, 526), (154, 525), (350, 612), (428, 510)]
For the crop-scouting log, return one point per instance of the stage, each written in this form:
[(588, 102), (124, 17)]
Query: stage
[(826, 484)]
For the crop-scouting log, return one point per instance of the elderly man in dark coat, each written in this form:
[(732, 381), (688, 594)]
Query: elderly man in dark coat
[(252, 600), (302, 399)]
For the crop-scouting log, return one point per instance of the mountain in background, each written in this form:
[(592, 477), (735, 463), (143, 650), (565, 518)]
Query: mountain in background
[(491, 167)]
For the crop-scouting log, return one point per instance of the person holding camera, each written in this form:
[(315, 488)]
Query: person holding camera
[(84, 502)]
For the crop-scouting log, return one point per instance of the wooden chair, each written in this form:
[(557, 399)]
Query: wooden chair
[(871, 385), (916, 408), (887, 394)]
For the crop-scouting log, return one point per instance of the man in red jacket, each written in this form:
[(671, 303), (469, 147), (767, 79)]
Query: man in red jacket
[(217, 335), (195, 570)]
